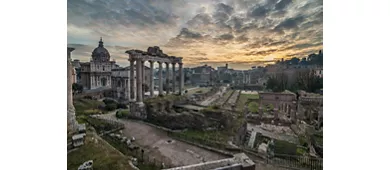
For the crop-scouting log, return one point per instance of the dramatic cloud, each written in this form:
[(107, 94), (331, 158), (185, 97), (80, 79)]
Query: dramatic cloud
[(241, 32)]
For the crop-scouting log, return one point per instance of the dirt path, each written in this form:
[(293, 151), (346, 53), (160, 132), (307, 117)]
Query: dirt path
[(214, 97), (155, 142)]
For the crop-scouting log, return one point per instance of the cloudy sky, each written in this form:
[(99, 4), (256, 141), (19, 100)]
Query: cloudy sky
[(243, 33)]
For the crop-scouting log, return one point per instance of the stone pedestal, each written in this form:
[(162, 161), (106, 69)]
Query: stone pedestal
[(137, 110)]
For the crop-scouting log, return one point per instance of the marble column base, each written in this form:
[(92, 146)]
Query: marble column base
[(72, 127)]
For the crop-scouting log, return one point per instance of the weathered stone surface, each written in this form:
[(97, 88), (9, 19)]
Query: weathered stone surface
[(163, 113), (86, 165), (71, 113)]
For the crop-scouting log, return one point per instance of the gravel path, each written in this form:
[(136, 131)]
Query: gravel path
[(155, 142)]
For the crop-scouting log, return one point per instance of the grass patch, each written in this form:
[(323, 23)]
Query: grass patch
[(146, 165), (122, 113), (242, 99), (170, 97), (103, 156), (201, 90), (283, 147), (87, 106), (209, 135), (253, 107)]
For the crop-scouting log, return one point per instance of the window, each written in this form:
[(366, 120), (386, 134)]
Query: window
[(103, 68)]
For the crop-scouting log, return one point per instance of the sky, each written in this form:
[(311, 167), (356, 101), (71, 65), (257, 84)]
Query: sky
[(243, 33)]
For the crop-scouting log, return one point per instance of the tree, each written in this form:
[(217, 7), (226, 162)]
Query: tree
[(294, 61), (308, 81), (77, 88)]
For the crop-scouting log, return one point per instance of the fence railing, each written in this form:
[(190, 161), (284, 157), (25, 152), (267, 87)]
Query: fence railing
[(298, 162), (282, 160)]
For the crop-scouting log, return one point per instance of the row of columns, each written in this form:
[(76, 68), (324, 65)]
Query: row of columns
[(246, 78), (140, 71)]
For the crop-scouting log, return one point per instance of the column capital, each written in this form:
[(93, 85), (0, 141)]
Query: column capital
[(151, 61), (180, 64)]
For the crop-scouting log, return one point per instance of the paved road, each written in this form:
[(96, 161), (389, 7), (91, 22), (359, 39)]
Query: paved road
[(156, 144)]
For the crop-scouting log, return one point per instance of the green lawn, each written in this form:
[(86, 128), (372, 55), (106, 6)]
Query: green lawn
[(253, 107), (242, 100), (102, 154), (87, 106), (211, 135)]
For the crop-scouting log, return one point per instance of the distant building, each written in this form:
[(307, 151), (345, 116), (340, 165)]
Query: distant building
[(224, 74), (121, 82), (77, 67), (97, 73), (202, 75)]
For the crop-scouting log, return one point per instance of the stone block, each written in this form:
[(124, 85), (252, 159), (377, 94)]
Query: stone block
[(86, 165)]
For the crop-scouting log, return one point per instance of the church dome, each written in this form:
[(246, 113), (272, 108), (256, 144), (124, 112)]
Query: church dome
[(100, 53)]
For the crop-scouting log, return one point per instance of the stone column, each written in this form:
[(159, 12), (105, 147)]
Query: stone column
[(143, 78), (71, 114), (139, 81), (276, 113), (131, 80), (151, 88), (181, 75), (160, 79), (167, 78), (173, 78)]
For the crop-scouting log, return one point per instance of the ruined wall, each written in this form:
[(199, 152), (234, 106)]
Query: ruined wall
[(239, 138), (163, 113)]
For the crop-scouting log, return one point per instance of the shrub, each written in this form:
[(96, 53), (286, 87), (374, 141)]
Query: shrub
[(122, 113), (199, 91), (88, 97), (118, 114), (111, 107), (121, 106), (215, 107), (91, 112), (109, 101)]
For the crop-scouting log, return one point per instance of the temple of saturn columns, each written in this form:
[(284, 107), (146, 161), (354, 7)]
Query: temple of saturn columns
[(152, 55)]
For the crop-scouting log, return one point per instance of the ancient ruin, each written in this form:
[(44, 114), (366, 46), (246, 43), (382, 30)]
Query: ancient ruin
[(152, 55), (72, 123), (239, 162)]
